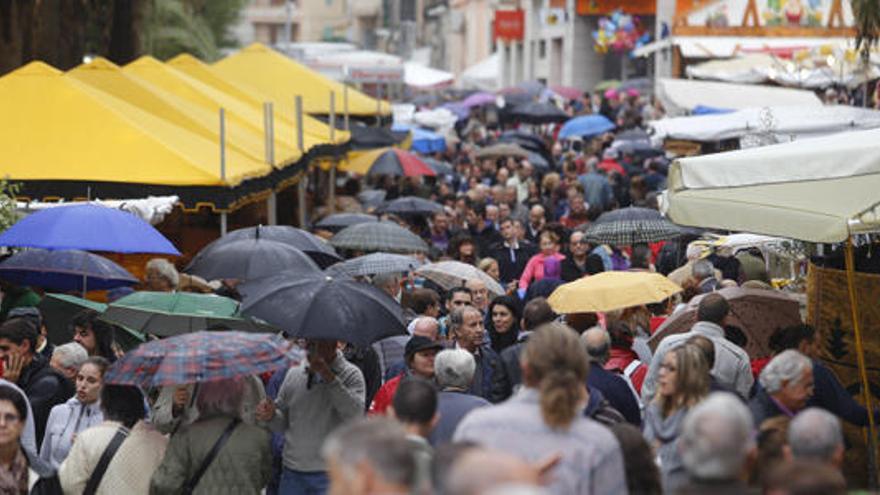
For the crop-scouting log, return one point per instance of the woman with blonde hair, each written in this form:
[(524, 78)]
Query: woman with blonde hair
[(683, 381), (544, 423)]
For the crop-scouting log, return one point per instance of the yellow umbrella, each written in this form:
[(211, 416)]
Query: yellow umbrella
[(609, 291)]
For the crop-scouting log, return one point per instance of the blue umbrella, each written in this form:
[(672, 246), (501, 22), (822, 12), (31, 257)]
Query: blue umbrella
[(423, 141), (64, 270), (88, 227), (586, 125)]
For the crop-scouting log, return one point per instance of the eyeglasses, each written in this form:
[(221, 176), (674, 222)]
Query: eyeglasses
[(9, 418)]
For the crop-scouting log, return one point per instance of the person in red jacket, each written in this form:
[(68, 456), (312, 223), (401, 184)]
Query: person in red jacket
[(623, 359), (419, 356)]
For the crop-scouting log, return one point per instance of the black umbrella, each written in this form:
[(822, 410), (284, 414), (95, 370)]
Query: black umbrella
[(410, 205), (372, 197), (248, 259), (339, 221), (324, 307), (316, 248), (538, 113), (438, 166), (379, 236), (64, 270), (629, 226)]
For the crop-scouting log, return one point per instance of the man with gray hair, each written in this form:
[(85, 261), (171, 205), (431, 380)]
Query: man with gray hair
[(715, 442), (786, 384), (815, 434), (160, 275), (612, 386), (369, 456), (67, 359), (703, 273), (467, 332), (454, 371), (732, 367)]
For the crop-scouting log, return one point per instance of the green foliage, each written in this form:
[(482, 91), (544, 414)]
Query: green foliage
[(867, 17), (8, 215), (197, 27)]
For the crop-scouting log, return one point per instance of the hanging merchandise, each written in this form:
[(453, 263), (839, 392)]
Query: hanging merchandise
[(619, 33)]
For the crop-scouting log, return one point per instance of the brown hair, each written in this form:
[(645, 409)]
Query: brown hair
[(549, 234), (557, 366), (692, 380)]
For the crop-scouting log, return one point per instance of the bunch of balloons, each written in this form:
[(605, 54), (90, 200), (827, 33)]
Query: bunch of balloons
[(620, 33)]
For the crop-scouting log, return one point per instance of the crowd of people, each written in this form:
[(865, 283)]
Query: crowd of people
[(486, 394)]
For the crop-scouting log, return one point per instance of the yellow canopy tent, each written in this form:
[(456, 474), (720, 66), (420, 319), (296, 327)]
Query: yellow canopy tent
[(282, 78), (238, 113), (207, 74), (109, 78), (60, 137)]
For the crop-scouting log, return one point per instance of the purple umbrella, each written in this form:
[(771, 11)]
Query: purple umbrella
[(478, 100)]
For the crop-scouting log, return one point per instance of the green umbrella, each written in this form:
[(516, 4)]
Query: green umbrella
[(172, 313), (607, 84), (59, 309)]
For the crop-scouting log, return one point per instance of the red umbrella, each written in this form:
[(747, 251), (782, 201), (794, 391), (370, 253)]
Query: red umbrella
[(391, 161), (567, 92)]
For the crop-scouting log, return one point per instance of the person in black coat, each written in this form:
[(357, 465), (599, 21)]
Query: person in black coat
[(44, 386), (511, 254), (620, 395)]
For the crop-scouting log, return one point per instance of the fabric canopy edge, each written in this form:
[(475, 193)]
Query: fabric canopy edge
[(191, 198)]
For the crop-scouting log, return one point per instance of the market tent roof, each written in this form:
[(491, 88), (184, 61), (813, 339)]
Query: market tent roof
[(812, 72), (423, 77), (739, 70), (238, 112), (111, 79), (282, 78), (817, 190), (58, 131), (207, 74), (680, 96), (483, 75), (731, 46), (789, 123)]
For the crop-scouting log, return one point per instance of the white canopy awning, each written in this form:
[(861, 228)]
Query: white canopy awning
[(813, 73), (422, 77), (680, 96), (731, 46), (788, 123), (483, 75), (152, 209), (818, 190)]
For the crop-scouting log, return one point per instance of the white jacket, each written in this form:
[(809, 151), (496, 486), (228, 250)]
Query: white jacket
[(65, 421)]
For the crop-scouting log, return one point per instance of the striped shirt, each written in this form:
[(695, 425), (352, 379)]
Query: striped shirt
[(592, 463)]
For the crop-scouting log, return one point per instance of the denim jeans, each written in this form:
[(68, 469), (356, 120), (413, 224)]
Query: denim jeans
[(303, 483)]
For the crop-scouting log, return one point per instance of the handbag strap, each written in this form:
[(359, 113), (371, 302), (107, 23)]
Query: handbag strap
[(104, 461), (191, 483)]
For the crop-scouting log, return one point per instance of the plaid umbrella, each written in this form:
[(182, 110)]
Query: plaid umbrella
[(449, 274), (339, 221), (379, 236), (202, 357), (409, 205), (374, 264), (629, 226)]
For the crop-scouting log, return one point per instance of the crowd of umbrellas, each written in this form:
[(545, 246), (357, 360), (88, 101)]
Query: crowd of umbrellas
[(290, 280)]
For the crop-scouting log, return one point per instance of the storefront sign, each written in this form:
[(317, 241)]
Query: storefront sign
[(509, 25), (605, 7)]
